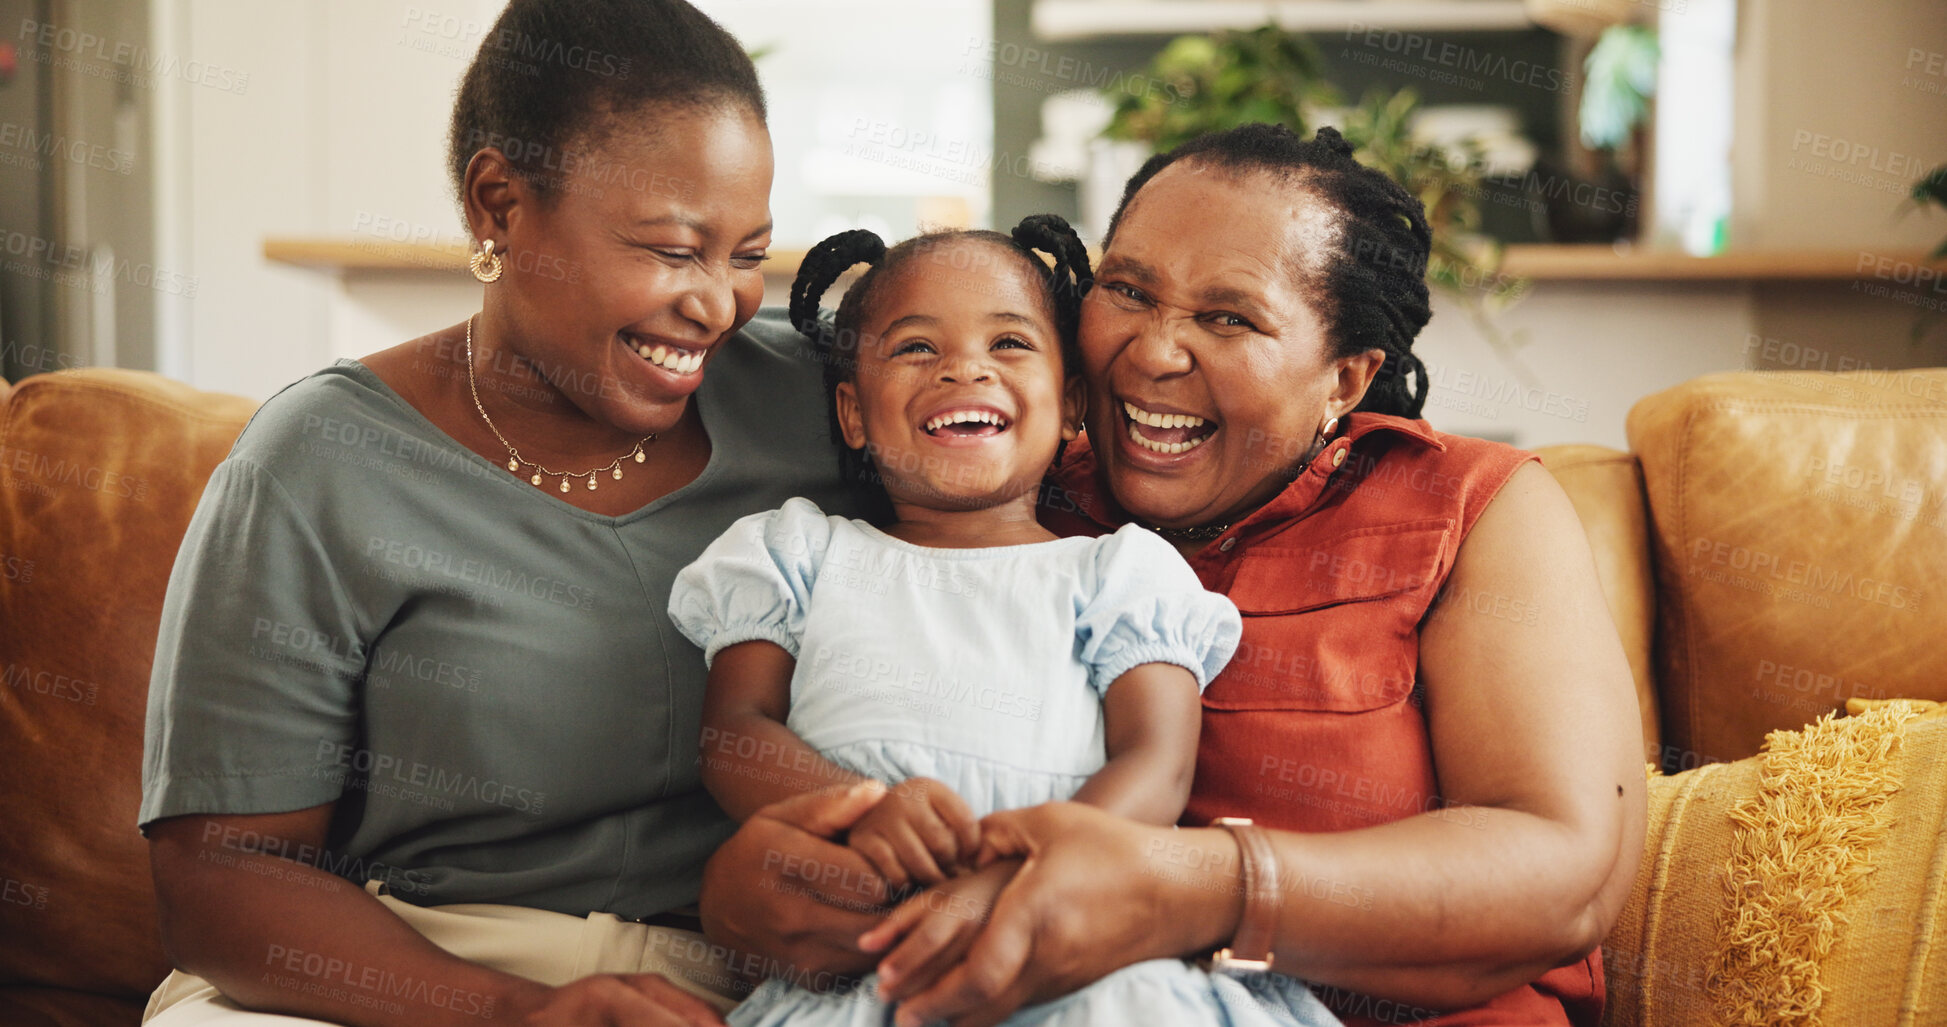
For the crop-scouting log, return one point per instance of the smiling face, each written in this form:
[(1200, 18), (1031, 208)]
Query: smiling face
[(959, 395), (1209, 368), (644, 257)]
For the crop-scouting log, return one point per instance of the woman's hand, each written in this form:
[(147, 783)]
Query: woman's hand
[(933, 929), (782, 888), (618, 1000), (920, 833), (1095, 893)]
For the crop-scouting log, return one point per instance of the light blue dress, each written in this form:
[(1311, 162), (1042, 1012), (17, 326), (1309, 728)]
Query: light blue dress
[(981, 668)]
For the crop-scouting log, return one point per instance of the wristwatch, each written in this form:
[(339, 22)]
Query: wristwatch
[(1250, 948)]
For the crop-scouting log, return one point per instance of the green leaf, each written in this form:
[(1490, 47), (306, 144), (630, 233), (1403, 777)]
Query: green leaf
[(1620, 77), (1235, 78)]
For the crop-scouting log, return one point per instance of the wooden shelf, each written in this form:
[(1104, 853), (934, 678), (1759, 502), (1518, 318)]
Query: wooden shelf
[(341, 255), (1543, 263), (366, 255), (1605, 263), (1055, 20)]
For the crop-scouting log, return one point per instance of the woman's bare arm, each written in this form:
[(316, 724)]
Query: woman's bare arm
[(1537, 744)]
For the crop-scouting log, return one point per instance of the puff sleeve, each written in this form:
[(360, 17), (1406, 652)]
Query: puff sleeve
[(754, 582), (1149, 607)]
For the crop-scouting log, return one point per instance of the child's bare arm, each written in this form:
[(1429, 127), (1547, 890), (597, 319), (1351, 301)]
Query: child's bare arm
[(750, 759), (1151, 717)]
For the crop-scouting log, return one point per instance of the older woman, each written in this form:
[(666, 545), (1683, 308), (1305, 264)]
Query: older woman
[(1430, 719), (416, 635)]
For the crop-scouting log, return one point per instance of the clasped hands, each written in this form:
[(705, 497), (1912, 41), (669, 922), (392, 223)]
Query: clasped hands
[(922, 839), (1009, 917)]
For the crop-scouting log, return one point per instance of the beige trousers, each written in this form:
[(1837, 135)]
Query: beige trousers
[(553, 948)]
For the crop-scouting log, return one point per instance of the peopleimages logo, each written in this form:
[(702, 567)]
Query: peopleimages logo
[(335, 759), (1415, 46), (1769, 570), (99, 57), (1843, 151), (432, 563)]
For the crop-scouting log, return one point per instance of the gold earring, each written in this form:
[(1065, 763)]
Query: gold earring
[(485, 264), (1330, 427)]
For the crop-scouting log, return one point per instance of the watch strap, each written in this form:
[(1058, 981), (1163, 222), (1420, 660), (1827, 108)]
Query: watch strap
[(1250, 947)]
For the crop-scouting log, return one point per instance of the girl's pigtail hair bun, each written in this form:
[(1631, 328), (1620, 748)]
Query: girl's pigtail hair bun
[(1332, 140), (1051, 234), (823, 266)]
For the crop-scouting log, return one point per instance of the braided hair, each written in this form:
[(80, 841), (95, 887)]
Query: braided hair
[(555, 74), (1371, 286), (837, 337)]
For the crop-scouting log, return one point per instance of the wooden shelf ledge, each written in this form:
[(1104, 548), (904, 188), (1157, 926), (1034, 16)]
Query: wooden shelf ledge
[(1542, 263), (1606, 263), (1056, 20)]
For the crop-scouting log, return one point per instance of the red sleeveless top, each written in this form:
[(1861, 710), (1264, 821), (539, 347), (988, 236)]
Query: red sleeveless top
[(1316, 724)]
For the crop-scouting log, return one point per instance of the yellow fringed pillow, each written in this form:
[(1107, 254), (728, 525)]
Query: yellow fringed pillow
[(1801, 886)]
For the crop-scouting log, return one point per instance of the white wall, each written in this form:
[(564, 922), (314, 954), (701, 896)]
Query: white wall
[(1592, 350), (342, 122), (1840, 108), (341, 132)]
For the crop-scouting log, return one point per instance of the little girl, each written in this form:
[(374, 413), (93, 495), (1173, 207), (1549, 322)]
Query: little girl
[(956, 649)]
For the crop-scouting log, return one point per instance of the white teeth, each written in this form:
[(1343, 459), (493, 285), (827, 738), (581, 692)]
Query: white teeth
[(939, 421), (1170, 448), (679, 361), (1137, 415), (1141, 416)]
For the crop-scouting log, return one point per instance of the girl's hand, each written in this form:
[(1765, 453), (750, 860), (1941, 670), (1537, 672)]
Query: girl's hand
[(920, 833), (934, 929)]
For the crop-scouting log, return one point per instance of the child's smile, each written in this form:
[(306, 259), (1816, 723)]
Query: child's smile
[(960, 424)]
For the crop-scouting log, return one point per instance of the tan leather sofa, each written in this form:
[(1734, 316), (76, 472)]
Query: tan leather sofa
[(1775, 544)]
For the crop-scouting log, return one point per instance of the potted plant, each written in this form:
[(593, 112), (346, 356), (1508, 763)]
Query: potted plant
[(1930, 191), (1228, 79)]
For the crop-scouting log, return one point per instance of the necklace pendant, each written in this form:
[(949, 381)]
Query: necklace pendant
[(564, 484), (513, 465), (618, 472), (638, 453), (591, 483), (536, 480)]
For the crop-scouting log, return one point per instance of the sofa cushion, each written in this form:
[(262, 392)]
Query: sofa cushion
[(1606, 487), (1802, 886), (99, 472), (1800, 546)]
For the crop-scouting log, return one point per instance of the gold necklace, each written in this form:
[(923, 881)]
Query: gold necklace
[(514, 458)]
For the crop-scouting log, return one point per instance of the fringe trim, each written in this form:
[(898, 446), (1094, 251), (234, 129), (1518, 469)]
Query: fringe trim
[(1927, 708), (1799, 848)]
